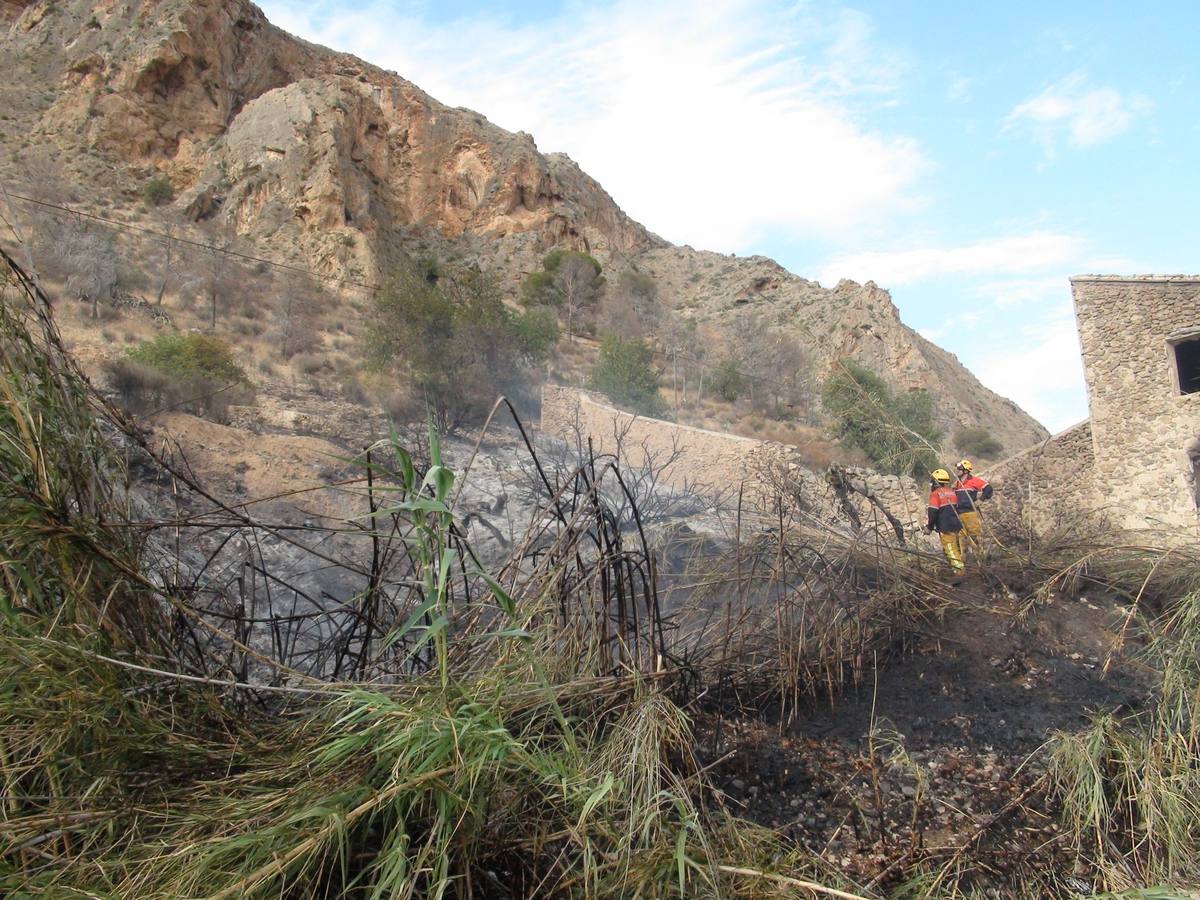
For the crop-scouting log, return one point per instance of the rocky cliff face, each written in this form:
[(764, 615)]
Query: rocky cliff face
[(848, 320), (320, 158), (289, 143)]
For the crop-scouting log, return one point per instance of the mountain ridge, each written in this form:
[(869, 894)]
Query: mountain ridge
[(346, 168)]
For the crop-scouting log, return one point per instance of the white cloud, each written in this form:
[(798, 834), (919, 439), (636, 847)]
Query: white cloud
[(713, 123), (1007, 293), (1003, 306), (1086, 115), (1013, 254), (1043, 373), (959, 90)]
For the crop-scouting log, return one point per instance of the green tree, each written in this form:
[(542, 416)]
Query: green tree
[(413, 320), (728, 382), (978, 441), (538, 290), (570, 281), (624, 372), (456, 344), (536, 332), (897, 433)]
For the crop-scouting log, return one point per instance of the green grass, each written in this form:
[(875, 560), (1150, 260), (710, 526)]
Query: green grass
[(132, 766), (525, 755), (1129, 787)]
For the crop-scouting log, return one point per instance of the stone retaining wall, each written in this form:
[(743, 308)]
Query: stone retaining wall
[(1047, 483), (720, 464)]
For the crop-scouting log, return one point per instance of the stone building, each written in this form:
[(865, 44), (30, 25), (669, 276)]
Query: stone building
[(1137, 458)]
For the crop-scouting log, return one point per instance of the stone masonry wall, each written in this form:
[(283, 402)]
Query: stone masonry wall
[(1046, 483), (713, 463), (1145, 433)]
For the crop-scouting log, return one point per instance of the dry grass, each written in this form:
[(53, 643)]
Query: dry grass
[(491, 757), (514, 732)]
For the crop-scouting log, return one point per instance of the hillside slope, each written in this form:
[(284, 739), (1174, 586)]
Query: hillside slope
[(319, 158)]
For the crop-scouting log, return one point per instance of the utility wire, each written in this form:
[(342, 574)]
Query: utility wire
[(339, 282), (126, 226)]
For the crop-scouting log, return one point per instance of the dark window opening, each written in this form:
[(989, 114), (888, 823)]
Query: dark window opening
[(1187, 365)]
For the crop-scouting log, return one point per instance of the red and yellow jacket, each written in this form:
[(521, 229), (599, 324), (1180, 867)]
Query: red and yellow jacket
[(942, 511), (969, 491)]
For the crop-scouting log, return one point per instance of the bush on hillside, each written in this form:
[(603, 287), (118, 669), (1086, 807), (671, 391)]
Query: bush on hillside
[(728, 382), (978, 441), (896, 432), (569, 281), (624, 372), (194, 373), (157, 191), (453, 340), (536, 332)]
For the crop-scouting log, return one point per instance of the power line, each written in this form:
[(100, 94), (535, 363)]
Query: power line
[(339, 282), (247, 257)]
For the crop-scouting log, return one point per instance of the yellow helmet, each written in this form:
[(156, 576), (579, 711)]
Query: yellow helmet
[(965, 464), (941, 476)]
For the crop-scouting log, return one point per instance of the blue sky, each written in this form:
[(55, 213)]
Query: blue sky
[(968, 157)]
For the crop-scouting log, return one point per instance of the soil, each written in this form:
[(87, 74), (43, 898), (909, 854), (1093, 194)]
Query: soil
[(956, 756)]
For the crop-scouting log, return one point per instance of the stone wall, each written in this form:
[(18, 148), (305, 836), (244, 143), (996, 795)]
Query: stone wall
[(709, 462), (1047, 483), (720, 464), (1145, 433)]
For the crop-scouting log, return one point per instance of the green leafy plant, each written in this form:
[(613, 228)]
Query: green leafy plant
[(1128, 787), (158, 191), (190, 354), (188, 371), (536, 332), (896, 432), (624, 372), (728, 382)]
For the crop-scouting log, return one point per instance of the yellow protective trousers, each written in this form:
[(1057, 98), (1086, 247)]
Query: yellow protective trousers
[(971, 536), (952, 547)]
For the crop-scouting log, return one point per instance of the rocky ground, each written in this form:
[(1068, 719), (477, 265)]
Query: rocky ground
[(941, 748)]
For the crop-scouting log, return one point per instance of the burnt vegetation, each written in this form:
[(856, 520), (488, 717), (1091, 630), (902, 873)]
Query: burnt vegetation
[(606, 709), (638, 688)]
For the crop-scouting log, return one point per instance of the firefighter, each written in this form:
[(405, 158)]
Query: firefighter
[(970, 490), (943, 517)]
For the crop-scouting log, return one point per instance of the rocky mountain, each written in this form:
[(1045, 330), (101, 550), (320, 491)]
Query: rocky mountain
[(850, 320), (320, 158)]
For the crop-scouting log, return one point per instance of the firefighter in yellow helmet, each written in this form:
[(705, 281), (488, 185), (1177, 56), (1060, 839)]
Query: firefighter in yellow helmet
[(971, 490), (943, 517)]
